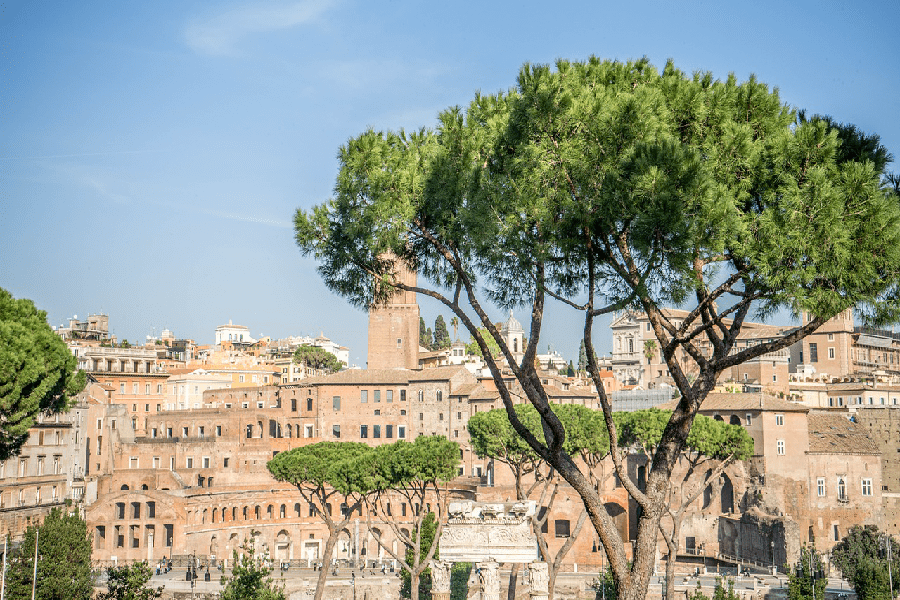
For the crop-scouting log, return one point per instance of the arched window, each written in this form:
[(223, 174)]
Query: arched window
[(734, 420), (259, 424), (288, 430), (842, 489), (297, 508), (233, 513), (283, 512), (269, 512), (124, 487), (515, 345), (249, 431), (256, 513), (245, 513)]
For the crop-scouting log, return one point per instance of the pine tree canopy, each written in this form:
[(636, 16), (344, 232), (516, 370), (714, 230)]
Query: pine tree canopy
[(37, 371), (603, 186)]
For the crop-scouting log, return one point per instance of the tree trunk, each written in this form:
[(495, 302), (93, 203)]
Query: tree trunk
[(513, 581), (414, 584), (326, 558), (670, 564)]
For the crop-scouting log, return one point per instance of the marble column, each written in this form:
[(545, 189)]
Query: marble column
[(539, 580), (440, 579), (489, 576)]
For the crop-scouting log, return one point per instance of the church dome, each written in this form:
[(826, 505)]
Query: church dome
[(512, 325)]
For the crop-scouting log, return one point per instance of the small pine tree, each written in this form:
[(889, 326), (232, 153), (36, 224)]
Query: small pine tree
[(424, 334), (582, 357), (807, 581), (129, 582), (249, 578), (64, 560), (441, 335)]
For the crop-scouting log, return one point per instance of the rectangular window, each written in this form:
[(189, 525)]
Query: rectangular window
[(133, 462), (190, 462), (561, 527), (307, 431), (837, 534), (218, 431), (363, 396), (866, 487), (155, 462), (309, 404), (335, 431), (779, 444), (147, 389), (158, 391), (376, 431), (748, 419), (820, 487), (363, 431), (389, 431), (376, 396), (205, 462), (813, 353), (336, 403), (401, 432), (779, 420), (389, 396), (240, 379), (184, 432), (831, 353), (121, 388), (225, 462), (402, 395)]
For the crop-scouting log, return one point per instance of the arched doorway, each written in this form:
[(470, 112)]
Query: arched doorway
[(726, 495), (283, 549)]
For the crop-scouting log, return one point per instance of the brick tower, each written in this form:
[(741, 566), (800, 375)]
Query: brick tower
[(394, 329)]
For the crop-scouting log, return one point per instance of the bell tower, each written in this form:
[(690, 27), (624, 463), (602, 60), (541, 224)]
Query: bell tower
[(394, 328)]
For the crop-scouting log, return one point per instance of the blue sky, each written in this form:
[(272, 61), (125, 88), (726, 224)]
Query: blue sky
[(153, 153)]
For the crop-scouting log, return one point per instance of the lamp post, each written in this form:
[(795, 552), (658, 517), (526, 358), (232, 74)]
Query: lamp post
[(887, 546), (774, 568), (192, 572)]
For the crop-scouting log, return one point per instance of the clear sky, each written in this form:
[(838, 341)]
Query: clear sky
[(153, 153)]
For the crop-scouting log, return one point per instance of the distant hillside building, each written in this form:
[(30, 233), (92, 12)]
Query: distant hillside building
[(236, 336)]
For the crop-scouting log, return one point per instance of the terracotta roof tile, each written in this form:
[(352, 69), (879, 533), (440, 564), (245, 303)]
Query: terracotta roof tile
[(717, 401), (831, 433)]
